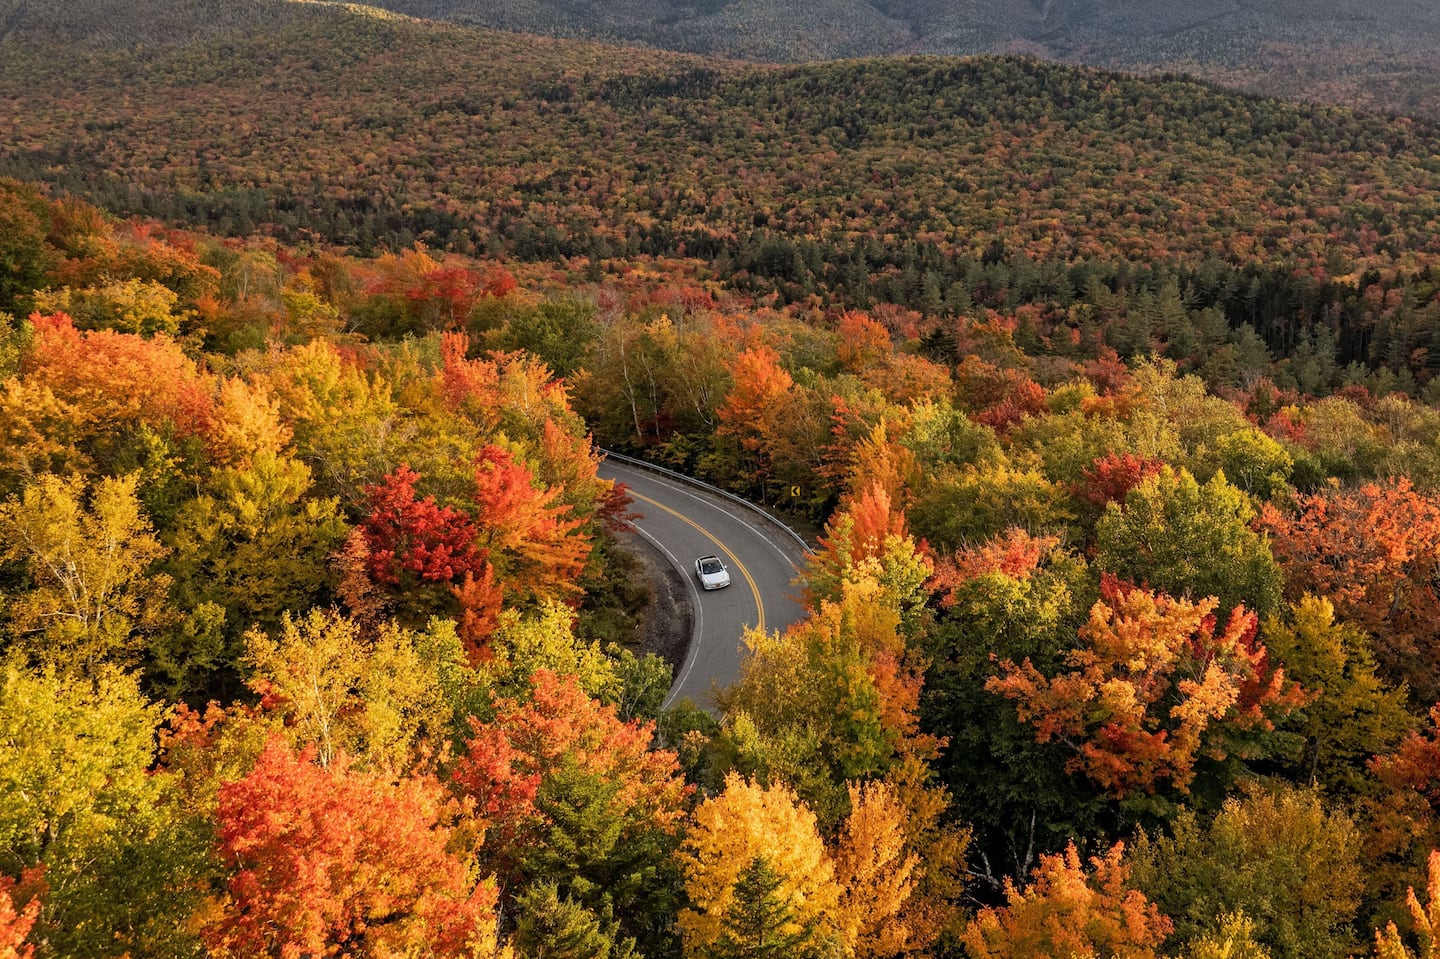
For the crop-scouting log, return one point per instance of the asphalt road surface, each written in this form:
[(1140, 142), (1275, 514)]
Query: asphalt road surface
[(686, 522)]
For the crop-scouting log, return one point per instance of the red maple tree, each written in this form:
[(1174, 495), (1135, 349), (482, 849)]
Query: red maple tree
[(417, 540)]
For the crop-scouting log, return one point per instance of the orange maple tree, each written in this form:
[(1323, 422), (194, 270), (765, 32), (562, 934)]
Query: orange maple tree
[(511, 392), (1424, 919), (1016, 554), (536, 544), (863, 454), (327, 861), (1374, 551), (1152, 688), (467, 383), (1065, 913), (110, 378), (432, 294), (863, 341), (17, 920), (755, 402), (507, 760), (869, 538), (1403, 818), (877, 873)]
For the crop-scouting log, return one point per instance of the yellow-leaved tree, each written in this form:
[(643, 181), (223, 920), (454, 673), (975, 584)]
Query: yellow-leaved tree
[(758, 877), (378, 698), (89, 553), (876, 873)]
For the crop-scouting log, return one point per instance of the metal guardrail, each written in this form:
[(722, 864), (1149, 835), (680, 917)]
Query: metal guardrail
[(726, 494)]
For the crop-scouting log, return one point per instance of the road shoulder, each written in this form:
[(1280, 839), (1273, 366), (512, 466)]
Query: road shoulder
[(669, 620)]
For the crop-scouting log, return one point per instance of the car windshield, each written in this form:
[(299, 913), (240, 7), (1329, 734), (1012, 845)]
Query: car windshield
[(710, 565)]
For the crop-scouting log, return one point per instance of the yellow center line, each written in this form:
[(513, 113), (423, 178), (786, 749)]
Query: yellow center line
[(759, 605)]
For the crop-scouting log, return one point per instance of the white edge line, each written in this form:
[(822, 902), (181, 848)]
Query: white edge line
[(796, 570), (620, 459), (697, 628)]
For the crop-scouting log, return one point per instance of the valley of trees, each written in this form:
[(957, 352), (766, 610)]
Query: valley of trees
[(1116, 402), (317, 629)]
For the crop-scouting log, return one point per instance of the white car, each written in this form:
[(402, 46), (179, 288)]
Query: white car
[(712, 572)]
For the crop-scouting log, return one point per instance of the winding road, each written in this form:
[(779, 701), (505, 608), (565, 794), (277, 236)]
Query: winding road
[(683, 522)]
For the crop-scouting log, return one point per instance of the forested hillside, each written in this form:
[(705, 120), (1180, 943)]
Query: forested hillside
[(1377, 55), (1115, 401), (903, 181), (117, 24), (275, 577)]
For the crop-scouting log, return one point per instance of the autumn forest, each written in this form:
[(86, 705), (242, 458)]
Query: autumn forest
[(1112, 405)]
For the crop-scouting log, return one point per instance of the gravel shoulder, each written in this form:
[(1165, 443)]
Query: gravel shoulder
[(668, 621)]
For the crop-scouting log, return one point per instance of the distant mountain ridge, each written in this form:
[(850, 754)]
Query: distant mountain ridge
[(372, 130), (943, 26), (125, 23), (1383, 54)]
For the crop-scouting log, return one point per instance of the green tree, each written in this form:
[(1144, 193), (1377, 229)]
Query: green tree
[(553, 927), (255, 546), (1281, 857), (1014, 791), (592, 851), (128, 306), (1354, 714), (77, 795), (25, 256), (842, 681), (557, 331), (762, 922), (1254, 462), (644, 683), (941, 435), (623, 391), (572, 795), (1190, 541), (956, 507), (344, 419)]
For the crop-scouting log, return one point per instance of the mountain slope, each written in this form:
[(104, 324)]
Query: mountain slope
[(120, 23), (356, 130), (1382, 55)]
